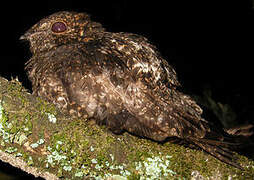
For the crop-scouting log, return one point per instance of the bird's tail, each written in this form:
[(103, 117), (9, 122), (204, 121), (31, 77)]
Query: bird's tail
[(223, 146), (220, 150)]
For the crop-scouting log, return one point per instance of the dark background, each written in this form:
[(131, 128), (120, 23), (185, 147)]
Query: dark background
[(210, 43)]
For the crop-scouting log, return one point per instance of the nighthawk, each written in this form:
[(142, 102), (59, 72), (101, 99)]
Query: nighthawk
[(119, 79)]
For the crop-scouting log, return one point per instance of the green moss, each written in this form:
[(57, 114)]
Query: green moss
[(79, 174), (11, 150), (3, 115), (110, 139), (20, 138), (30, 161), (45, 108)]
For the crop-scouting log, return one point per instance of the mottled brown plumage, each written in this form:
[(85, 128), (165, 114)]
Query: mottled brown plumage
[(119, 79)]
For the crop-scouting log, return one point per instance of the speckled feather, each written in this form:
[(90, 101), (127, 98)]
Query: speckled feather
[(119, 79)]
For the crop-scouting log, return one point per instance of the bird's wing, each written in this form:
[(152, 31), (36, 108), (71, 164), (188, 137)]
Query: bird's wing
[(127, 71), (148, 89), (140, 57)]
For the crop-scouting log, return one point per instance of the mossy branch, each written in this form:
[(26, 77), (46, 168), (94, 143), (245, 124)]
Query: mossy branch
[(37, 138)]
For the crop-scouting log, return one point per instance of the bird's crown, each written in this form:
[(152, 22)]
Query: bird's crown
[(61, 28)]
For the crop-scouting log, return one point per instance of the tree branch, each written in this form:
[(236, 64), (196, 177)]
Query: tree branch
[(39, 139)]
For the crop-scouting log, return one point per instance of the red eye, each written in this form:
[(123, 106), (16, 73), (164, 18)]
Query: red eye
[(58, 27)]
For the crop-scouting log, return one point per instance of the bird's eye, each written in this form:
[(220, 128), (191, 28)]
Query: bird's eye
[(58, 27)]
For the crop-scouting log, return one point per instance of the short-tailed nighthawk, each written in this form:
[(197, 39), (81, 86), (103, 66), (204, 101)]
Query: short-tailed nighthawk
[(119, 79)]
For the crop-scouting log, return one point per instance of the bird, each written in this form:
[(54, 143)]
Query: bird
[(119, 79)]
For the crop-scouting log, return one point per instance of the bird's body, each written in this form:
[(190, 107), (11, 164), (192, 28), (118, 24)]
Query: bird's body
[(119, 79)]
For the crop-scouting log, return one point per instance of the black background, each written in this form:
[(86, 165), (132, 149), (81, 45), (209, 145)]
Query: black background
[(210, 43)]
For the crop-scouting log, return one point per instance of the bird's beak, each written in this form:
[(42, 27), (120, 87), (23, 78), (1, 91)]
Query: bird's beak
[(25, 36)]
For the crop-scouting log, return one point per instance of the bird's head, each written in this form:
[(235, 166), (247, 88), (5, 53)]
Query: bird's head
[(61, 28)]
